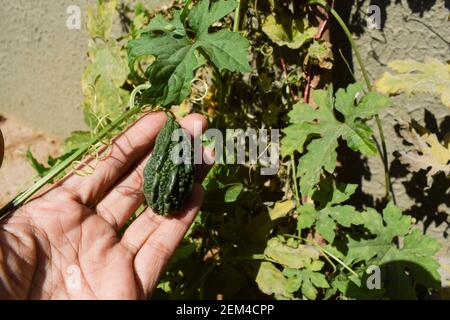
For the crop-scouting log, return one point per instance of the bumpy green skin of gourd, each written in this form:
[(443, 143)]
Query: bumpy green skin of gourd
[(166, 184)]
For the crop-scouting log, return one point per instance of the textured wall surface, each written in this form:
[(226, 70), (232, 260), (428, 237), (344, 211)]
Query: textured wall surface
[(41, 62), (410, 31)]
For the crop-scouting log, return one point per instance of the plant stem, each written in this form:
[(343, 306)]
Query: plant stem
[(237, 16), (325, 252), (24, 196), (223, 79), (294, 174), (384, 154), (338, 260)]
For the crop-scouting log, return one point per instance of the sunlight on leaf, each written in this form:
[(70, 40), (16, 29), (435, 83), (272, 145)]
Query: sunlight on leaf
[(100, 23), (270, 280), (281, 209), (432, 77), (292, 34), (288, 256), (425, 153)]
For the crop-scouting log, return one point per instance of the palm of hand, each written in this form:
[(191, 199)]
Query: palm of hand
[(64, 243)]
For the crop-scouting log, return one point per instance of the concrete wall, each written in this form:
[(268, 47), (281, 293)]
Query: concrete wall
[(41, 62)]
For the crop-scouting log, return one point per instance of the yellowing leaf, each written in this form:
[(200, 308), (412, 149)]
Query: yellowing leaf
[(107, 61), (280, 209), (102, 80), (76, 140), (426, 152), (99, 24), (432, 77), (292, 34), (288, 256), (320, 53), (270, 280)]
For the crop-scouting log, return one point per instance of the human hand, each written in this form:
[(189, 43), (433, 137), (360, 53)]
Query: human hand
[(63, 244)]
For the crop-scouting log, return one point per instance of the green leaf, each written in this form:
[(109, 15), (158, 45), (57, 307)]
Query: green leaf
[(99, 24), (432, 76), (76, 140), (226, 50), (307, 216), (292, 141), (205, 14), (291, 33), (40, 168), (183, 252), (329, 213), (412, 260), (331, 192), (305, 280), (325, 226), (233, 192), (320, 130), (178, 56)]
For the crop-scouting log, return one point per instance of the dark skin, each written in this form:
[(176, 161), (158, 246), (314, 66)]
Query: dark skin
[(73, 226)]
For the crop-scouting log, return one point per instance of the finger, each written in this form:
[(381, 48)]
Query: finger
[(143, 227), (126, 149), (156, 251), (119, 204)]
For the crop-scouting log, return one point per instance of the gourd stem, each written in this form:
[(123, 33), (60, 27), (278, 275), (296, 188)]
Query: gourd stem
[(56, 170), (237, 17)]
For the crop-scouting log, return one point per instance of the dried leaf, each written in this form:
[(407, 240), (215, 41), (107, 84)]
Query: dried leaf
[(99, 24), (292, 34), (270, 280), (281, 209), (432, 76), (426, 152), (288, 256), (320, 53)]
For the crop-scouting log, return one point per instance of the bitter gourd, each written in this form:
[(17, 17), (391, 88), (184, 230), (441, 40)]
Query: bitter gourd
[(166, 183)]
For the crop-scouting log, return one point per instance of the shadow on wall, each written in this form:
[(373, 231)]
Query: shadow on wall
[(430, 199), (357, 20), (354, 15)]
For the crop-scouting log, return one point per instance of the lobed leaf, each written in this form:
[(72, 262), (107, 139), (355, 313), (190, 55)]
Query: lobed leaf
[(320, 129), (177, 55)]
